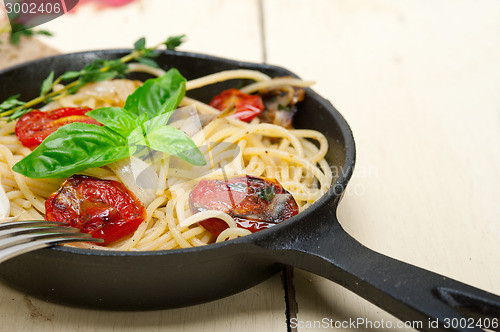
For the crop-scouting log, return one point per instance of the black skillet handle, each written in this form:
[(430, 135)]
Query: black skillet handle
[(409, 293)]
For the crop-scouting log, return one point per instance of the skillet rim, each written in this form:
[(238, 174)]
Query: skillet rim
[(334, 193)]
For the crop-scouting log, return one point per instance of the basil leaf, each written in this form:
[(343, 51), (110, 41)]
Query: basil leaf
[(149, 98), (136, 138), (173, 101), (166, 110), (73, 148), (79, 146), (47, 84), (115, 118), (175, 142)]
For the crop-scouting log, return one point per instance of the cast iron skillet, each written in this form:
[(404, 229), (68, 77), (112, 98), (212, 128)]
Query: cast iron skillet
[(313, 241)]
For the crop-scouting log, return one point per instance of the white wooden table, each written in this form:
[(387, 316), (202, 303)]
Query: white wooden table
[(419, 83)]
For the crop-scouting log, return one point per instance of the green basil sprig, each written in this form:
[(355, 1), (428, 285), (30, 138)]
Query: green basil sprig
[(141, 123)]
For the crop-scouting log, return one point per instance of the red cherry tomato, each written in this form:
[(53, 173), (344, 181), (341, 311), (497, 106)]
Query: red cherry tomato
[(104, 208), (247, 106), (33, 127), (254, 203)]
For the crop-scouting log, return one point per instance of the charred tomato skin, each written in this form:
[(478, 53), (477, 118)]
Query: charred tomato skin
[(254, 203), (247, 106), (106, 209), (33, 127)]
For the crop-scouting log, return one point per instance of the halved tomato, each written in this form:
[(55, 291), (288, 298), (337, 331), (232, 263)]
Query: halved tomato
[(33, 127), (254, 203), (104, 208), (247, 106)]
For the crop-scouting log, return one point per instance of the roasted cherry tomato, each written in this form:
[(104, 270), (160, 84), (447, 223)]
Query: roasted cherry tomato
[(253, 202), (104, 208), (247, 106), (33, 127)]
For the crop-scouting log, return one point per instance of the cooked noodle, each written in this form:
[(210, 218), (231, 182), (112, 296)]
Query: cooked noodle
[(294, 157)]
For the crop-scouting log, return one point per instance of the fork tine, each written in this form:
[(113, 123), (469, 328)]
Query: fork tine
[(23, 236), (29, 223), (11, 232), (44, 234), (19, 249)]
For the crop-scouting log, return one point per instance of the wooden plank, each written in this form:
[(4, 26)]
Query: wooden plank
[(218, 27), (260, 307), (418, 82)]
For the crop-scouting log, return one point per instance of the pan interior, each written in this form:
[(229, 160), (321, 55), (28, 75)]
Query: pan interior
[(313, 113), (174, 278)]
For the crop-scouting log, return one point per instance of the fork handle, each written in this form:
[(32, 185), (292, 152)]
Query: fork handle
[(429, 300)]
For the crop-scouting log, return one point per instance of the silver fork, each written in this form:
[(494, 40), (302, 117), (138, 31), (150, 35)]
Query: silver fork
[(19, 237)]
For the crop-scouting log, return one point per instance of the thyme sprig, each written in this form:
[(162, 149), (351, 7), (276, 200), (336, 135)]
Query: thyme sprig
[(98, 70), (17, 30)]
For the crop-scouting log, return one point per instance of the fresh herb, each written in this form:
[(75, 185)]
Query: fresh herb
[(15, 37), (174, 41), (11, 102), (47, 84), (98, 70), (126, 131), (267, 193), (17, 30)]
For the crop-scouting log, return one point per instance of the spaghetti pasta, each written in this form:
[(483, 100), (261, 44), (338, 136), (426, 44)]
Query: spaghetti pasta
[(294, 157)]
